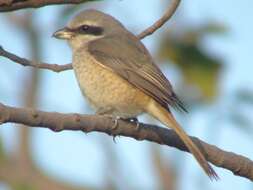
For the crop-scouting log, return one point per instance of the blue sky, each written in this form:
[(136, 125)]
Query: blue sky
[(79, 158)]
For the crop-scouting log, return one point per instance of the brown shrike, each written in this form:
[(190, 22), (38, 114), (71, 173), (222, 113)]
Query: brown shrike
[(118, 76)]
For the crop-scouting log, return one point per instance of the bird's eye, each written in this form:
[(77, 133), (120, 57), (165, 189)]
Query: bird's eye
[(84, 28)]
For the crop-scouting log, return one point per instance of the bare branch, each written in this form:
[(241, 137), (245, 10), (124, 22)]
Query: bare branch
[(26, 62), (158, 24), (13, 5), (237, 164)]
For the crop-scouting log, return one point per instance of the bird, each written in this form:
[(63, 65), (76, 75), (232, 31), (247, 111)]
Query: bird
[(118, 76)]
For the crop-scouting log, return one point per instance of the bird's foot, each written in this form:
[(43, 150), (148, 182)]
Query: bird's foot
[(133, 120), (114, 138), (115, 125), (107, 111)]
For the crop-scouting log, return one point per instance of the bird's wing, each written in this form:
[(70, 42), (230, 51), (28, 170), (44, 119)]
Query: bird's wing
[(127, 56)]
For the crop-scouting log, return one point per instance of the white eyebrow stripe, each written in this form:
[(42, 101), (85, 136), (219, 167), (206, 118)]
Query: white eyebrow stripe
[(86, 22)]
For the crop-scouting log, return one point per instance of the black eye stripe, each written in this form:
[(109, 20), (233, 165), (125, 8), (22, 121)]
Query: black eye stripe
[(86, 29), (83, 28)]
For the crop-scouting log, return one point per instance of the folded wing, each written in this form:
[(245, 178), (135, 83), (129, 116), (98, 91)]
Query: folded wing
[(127, 56)]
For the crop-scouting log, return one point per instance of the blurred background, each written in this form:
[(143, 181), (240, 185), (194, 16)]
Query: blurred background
[(205, 50)]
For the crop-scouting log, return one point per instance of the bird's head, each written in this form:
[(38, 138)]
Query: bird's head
[(87, 26)]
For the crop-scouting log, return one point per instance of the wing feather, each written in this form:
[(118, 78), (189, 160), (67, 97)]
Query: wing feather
[(127, 56)]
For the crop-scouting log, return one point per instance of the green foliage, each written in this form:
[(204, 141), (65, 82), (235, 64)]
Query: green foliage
[(212, 28), (239, 114), (245, 96), (2, 153), (199, 69), (241, 122)]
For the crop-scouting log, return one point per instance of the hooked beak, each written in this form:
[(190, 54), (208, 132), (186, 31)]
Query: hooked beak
[(64, 33)]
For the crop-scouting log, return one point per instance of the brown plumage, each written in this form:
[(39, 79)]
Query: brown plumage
[(118, 76), (133, 62)]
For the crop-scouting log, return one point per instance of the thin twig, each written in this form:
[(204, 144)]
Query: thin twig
[(159, 23), (17, 5), (237, 164), (26, 62)]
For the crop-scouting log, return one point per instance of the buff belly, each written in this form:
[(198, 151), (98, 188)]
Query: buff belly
[(105, 89)]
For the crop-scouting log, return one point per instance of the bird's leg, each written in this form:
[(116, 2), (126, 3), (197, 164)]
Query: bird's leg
[(108, 111), (136, 121), (116, 122)]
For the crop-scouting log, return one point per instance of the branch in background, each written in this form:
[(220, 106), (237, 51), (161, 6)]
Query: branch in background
[(18, 169), (13, 5), (163, 169), (58, 68), (238, 164), (26, 62), (159, 23)]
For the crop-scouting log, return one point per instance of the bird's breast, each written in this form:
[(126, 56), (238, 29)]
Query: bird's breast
[(104, 88)]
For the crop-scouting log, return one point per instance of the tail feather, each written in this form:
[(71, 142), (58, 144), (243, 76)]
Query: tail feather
[(176, 103), (167, 118)]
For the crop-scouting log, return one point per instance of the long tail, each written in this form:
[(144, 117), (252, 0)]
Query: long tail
[(167, 118)]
